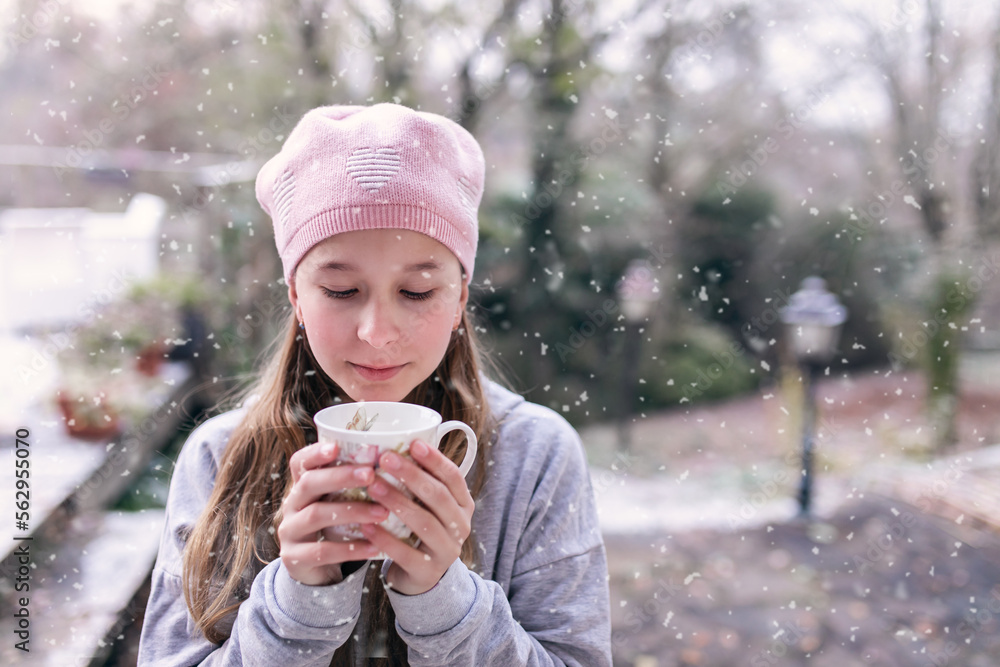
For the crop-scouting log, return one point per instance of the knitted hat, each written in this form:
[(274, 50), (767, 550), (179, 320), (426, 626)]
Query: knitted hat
[(345, 168)]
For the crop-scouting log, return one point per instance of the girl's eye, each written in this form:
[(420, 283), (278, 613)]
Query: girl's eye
[(333, 294), (414, 296)]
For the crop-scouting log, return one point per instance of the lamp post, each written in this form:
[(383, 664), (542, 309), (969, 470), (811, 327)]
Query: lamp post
[(812, 319), (637, 293)]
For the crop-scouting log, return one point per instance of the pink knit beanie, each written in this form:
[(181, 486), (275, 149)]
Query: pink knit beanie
[(345, 168)]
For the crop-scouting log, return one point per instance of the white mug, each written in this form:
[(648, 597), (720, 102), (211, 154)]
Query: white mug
[(392, 427)]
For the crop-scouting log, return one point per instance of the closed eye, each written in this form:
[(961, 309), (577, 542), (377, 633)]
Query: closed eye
[(418, 296), (414, 296), (333, 294)]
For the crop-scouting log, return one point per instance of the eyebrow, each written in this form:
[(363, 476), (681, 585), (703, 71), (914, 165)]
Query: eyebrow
[(430, 265)]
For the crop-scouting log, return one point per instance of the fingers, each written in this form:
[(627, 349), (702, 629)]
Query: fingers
[(299, 556), (312, 456), (410, 558), (442, 472), (308, 557), (442, 529), (304, 524), (421, 521), (414, 570), (317, 482), (433, 479)]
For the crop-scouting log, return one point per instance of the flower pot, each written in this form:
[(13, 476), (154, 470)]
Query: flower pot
[(88, 421), (149, 359)]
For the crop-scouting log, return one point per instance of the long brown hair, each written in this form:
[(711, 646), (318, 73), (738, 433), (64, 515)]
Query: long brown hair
[(236, 534)]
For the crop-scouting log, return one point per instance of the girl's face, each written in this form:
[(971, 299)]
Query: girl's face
[(379, 307)]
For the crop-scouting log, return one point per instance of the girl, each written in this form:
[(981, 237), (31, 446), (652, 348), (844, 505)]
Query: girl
[(374, 212)]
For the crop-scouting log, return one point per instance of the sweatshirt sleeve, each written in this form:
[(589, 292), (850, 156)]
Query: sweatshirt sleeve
[(557, 609), (282, 622)]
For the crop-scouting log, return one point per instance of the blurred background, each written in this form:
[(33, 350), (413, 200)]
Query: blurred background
[(662, 175)]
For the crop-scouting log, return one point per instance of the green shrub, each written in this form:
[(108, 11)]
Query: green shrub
[(700, 363)]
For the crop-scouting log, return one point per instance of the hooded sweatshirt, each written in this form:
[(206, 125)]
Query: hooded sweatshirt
[(539, 594)]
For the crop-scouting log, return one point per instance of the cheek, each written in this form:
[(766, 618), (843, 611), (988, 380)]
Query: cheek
[(437, 317), (328, 333)]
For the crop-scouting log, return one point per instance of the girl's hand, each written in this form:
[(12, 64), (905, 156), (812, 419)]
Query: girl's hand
[(308, 560), (442, 526)]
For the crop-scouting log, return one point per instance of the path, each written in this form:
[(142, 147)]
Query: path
[(709, 564)]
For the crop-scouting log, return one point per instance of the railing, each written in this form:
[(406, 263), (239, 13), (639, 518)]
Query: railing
[(74, 580)]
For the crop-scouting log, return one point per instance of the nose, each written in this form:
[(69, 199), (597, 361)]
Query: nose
[(377, 326)]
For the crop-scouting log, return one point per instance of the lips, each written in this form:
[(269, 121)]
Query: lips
[(370, 373)]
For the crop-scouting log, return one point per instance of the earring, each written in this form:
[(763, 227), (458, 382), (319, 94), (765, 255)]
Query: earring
[(302, 326)]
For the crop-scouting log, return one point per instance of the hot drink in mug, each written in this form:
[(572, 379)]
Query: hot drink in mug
[(364, 431)]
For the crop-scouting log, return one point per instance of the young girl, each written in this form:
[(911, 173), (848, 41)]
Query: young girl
[(374, 212)]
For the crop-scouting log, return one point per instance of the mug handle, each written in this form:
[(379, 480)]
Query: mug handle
[(470, 436)]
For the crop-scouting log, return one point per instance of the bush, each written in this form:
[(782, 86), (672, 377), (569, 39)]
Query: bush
[(700, 363)]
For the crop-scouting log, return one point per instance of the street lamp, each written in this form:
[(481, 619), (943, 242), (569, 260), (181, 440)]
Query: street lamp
[(812, 319), (637, 293)]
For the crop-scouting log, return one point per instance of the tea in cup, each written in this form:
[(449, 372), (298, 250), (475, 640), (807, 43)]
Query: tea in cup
[(364, 431)]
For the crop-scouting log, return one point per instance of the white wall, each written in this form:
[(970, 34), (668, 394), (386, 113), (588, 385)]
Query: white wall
[(55, 263)]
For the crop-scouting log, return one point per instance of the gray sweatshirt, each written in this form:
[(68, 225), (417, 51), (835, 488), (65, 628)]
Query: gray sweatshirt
[(539, 596)]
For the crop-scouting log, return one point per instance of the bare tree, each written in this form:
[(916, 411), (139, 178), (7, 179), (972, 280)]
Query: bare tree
[(919, 57), (987, 169)]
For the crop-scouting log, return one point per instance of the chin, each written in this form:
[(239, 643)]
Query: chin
[(377, 393)]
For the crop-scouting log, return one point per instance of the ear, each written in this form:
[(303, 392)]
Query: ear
[(463, 299), (293, 298)]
